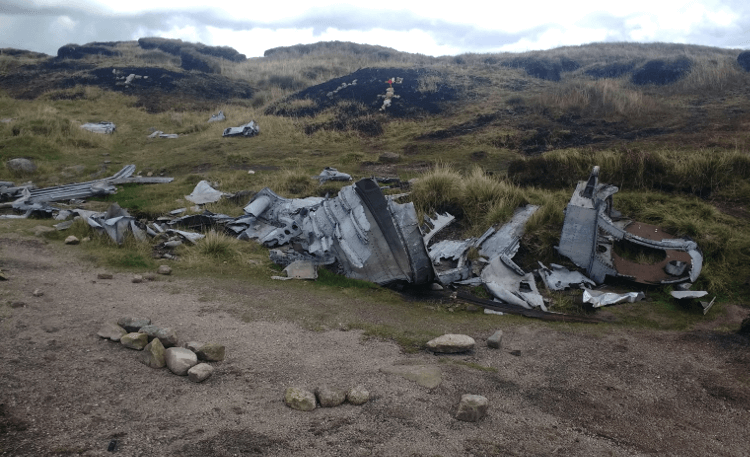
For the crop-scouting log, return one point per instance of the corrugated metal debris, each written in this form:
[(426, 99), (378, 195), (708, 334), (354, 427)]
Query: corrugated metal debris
[(30, 200)]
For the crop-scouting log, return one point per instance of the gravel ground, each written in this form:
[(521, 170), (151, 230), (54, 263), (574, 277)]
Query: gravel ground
[(65, 391)]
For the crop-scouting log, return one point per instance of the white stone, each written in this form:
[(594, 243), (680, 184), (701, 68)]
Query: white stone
[(180, 360), (451, 343)]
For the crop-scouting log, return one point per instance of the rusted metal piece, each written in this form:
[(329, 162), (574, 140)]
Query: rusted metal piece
[(592, 228)]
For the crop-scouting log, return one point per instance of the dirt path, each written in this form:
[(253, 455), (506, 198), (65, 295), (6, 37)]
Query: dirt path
[(64, 391)]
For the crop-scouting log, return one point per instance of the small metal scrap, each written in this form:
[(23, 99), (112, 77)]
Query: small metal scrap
[(332, 174), (247, 130), (598, 298)]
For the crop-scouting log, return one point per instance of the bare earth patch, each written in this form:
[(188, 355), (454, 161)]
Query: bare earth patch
[(612, 391)]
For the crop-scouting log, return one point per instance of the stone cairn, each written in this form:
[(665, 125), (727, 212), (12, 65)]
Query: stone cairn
[(159, 347)]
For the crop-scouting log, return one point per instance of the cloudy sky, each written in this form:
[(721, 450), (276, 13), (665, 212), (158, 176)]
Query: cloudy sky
[(433, 27)]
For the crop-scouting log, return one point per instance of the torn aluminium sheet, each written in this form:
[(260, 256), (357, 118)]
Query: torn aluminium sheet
[(592, 228), (204, 193), (332, 174), (103, 127), (502, 277), (557, 277), (368, 236), (598, 298), (249, 129)]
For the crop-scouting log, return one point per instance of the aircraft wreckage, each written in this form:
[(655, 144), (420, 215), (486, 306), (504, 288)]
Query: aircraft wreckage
[(592, 228), (366, 235)]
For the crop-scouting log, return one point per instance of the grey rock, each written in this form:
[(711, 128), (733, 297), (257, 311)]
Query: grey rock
[(134, 340), (104, 276), (472, 408), (133, 324), (358, 395), (164, 270), (211, 352), (451, 343), (21, 165), (329, 397), (111, 331), (496, 340), (153, 354), (193, 345), (300, 399), (72, 240), (200, 372), (37, 292), (137, 279), (435, 286), (389, 157), (180, 360), (167, 336), (149, 277), (17, 304)]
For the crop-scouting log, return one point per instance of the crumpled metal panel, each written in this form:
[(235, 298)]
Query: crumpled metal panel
[(370, 237), (247, 130), (332, 174), (590, 232), (557, 277), (204, 193), (598, 298), (100, 127)]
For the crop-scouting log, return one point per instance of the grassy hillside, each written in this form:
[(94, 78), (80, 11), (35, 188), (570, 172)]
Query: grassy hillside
[(667, 123)]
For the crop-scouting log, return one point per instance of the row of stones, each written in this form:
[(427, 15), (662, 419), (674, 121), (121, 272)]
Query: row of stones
[(159, 347), (304, 400)]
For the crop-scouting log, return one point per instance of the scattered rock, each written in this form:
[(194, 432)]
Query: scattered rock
[(104, 276), (167, 336), (496, 340), (137, 279), (153, 354), (451, 343), (37, 292), (149, 277), (17, 304), (133, 324), (112, 331), (516, 353), (300, 399), (72, 240), (164, 270), (200, 372), (472, 408), (134, 340), (358, 395), (21, 165), (389, 157), (211, 352), (428, 376), (40, 230), (180, 360), (329, 397)]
